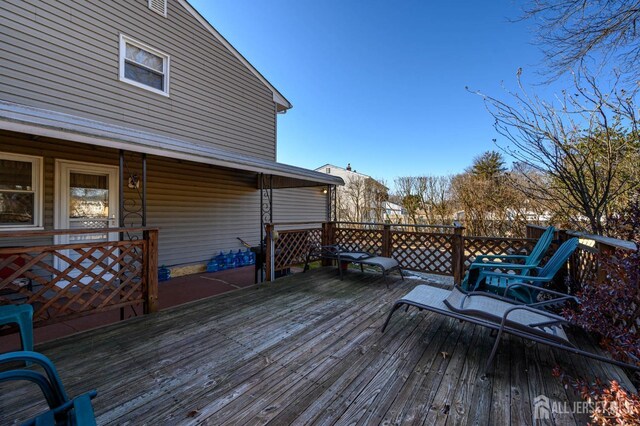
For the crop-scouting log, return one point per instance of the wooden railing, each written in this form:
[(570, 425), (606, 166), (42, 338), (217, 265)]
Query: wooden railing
[(426, 248), (441, 250), (69, 280)]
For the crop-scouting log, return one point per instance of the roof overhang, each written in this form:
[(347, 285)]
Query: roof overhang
[(53, 124)]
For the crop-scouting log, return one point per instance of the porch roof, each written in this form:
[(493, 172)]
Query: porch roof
[(47, 123)]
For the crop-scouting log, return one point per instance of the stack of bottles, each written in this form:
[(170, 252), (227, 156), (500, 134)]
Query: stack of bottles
[(231, 260)]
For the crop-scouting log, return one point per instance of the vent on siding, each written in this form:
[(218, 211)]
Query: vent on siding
[(159, 6)]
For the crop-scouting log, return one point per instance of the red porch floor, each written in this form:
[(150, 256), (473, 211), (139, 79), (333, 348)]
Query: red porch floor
[(174, 292)]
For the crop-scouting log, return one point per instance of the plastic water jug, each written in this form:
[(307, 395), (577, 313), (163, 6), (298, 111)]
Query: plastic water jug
[(164, 273), (212, 266), (230, 260), (221, 261)]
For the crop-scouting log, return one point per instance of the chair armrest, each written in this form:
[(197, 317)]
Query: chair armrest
[(52, 398), (543, 290), (500, 265), (555, 318), (515, 276), (499, 256), (42, 361)]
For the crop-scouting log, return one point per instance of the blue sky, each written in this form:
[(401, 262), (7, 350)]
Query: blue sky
[(381, 84)]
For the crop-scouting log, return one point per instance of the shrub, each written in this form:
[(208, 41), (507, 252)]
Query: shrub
[(610, 404), (611, 309)]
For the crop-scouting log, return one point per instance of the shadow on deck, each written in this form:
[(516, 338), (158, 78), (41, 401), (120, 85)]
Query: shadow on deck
[(305, 349)]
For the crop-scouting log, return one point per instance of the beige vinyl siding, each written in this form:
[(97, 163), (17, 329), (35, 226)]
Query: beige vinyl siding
[(200, 209), (64, 55), (299, 204)]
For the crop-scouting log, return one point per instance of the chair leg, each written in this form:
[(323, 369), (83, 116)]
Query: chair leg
[(401, 274), (26, 331), (395, 307), (494, 351)]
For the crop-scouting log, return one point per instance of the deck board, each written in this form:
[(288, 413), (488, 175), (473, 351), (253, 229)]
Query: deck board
[(306, 349)]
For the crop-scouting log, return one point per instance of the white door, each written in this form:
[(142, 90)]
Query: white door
[(86, 197)]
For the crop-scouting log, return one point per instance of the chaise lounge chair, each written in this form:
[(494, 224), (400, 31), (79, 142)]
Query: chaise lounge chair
[(532, 322), (335, 252), (484, 262), (62, 409)]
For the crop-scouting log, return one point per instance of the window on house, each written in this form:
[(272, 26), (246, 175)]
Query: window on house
[(328, 169), (144, 66), (20, 191)]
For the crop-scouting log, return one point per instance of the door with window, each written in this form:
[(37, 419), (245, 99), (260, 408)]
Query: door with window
[(87, 197)]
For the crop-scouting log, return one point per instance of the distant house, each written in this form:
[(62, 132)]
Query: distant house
[(394, 213), (362, 198), (128, 112)]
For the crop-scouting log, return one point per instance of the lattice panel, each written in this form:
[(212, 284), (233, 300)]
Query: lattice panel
[(583, 266), (423, 252), (293, 247), (369, 240), (474, 246), (67, 281)]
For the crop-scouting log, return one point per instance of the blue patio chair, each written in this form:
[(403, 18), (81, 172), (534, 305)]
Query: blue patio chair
[(22, 315), (62, 409), (482, 263), (523, 286)]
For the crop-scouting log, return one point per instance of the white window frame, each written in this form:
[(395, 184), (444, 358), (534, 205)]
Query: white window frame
[(124, 40), (163, 13), (37, 185)]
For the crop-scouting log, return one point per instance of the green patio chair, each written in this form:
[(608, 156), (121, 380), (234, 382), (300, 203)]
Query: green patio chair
[(482, 263), (63, 410), (511, 285), (22, 315)]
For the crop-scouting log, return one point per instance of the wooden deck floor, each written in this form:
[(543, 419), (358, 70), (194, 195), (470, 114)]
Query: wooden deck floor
[(304, 350)]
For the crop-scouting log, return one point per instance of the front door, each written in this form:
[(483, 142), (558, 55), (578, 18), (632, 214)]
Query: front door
[(86, 197)]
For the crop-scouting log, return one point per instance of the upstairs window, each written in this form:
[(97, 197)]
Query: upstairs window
[(159, 6), (144, 66), (20, 191)]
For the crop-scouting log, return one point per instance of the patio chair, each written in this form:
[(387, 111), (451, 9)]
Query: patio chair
[(529, 321), (22, 315), (342, 257), (509, 285), (485, 262), (62, 410)]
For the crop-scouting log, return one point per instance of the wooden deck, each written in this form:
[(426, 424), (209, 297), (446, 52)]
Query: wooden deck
[(306, 349)]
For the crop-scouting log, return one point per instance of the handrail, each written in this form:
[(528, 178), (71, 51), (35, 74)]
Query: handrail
[(310, 222), (52, 232), (613, 242), (396, 224)]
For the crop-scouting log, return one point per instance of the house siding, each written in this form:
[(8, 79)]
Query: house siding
[(200, 209), (64, 55), (299, 204)]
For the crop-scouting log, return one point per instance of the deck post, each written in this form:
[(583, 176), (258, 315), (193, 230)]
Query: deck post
[(151, 272), (386, 240), (457, 254), (268, 260), (327, 239), (604, 250)]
